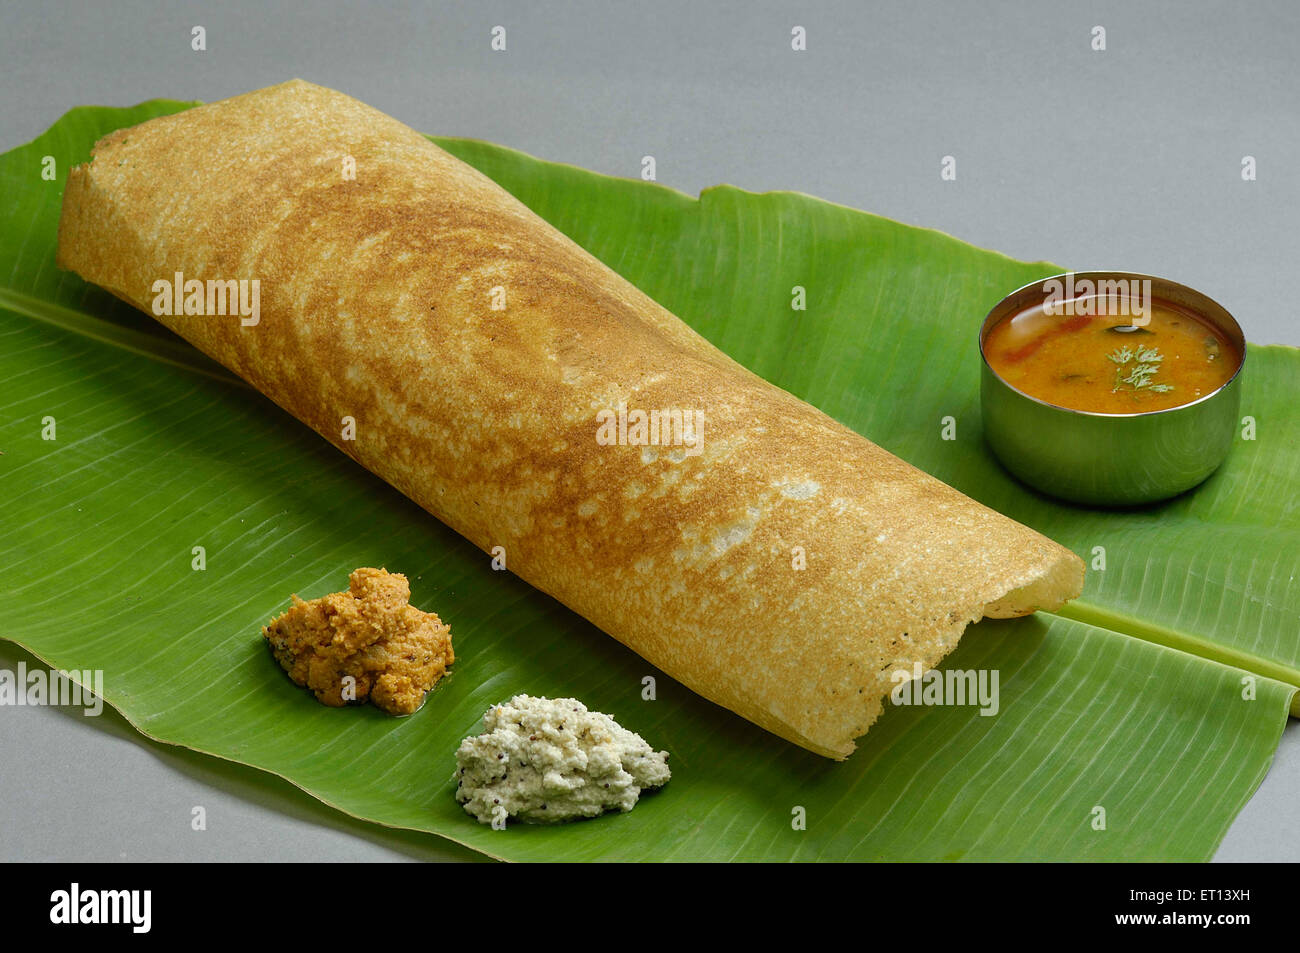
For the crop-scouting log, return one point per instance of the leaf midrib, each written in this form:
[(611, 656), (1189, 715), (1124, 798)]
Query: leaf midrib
[(1122, 623), (175, 353)]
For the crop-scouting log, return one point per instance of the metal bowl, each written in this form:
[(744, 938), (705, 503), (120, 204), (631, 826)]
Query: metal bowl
[(1110, 459)]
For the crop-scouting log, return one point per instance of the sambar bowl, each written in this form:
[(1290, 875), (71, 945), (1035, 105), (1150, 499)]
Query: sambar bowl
[(1110, 459)]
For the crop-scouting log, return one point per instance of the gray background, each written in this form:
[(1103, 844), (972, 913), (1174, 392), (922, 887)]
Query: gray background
[(1129, 158)]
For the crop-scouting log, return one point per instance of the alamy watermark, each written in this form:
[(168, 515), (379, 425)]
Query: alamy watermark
[(959, 687), (670, 427), (180, 295), (1129, 297), (77, 905), (82, 689)]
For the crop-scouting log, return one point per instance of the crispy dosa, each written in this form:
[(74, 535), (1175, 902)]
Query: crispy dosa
[(784, 571)]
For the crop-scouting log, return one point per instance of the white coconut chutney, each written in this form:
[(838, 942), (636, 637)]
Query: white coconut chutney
[(547, 760)]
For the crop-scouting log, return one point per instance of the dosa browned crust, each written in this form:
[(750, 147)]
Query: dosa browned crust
[(376, 303)]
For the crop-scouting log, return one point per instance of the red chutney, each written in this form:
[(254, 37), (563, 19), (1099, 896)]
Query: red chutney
[(1081, 362)]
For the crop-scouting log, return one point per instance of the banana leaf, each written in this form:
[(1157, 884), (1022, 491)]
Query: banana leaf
[(1134, 724)]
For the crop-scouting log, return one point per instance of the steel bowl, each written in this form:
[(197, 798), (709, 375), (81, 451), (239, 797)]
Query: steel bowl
[(1102, 458)]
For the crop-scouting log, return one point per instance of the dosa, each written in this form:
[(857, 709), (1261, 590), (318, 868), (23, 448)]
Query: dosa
[(748, 545)]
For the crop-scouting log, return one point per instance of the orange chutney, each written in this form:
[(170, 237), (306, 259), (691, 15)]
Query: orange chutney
[(1087, 362)]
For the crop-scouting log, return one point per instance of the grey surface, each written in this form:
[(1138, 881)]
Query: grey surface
[(1128, 159)]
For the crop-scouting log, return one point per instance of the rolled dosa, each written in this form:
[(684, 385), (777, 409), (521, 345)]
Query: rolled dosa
[(772, 560)]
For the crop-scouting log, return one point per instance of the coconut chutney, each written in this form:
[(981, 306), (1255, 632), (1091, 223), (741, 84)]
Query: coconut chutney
[(547, 760)]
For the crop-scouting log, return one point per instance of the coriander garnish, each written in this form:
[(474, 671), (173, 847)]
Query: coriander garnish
[(1145, 363)]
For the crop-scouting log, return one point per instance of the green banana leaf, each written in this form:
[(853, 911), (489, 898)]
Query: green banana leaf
[(1135, 724)]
